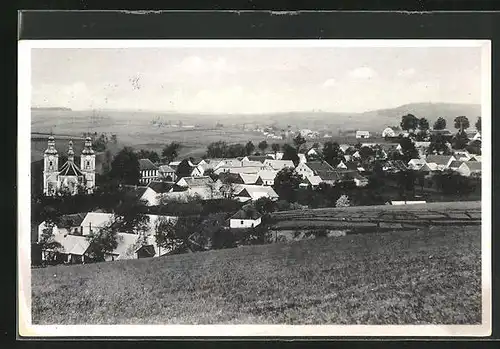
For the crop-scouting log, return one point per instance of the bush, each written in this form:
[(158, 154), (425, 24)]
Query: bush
[(343, 201)]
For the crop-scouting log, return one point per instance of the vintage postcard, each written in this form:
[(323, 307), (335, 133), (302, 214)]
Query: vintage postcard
[(254, 188)]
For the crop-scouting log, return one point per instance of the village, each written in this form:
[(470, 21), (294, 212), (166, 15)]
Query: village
[(227, 198)]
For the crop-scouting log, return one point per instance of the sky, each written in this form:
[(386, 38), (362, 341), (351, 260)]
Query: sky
[(254, 80)]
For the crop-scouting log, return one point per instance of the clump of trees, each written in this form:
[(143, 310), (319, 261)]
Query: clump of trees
[(170, 152), (149, 154)]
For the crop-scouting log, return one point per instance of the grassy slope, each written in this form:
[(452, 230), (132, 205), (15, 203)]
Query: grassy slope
[(388, 278)]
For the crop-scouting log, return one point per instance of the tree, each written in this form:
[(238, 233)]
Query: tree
[(265, 205), (263, 146), (249, 148), (47, 241), (286, 183), (332, 153), (184, 169), (423, 124), (409, 122), (460, 140), (114, 139), (438, 145), (164, 234), (125, 167), (478, 124), (408, 149), (290, 153), (210, 172), (170, 152), (149, 154), (440, 124), (474, 147), (366, 153), (275, 147), (461, 123), (103, 240), (299, 141), (217, 149), (235, 150)]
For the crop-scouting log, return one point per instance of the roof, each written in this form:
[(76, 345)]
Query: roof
[(227, 177), (255, 191), (72, 244), (362, 132), (455, 164), (165, 169), (160, 187), (146, 164), (251, 163), (134, 192), (230, 163), (267, 174), (422, 144), (71, 220), (96, 219), (247, 212), (259, 158), (438, 159), (319, 166), (197, 181), (314, 180), (248, 178), (246, 169), (344, 147), (125, 247), (442, 132), (473, 165), (70, 169), (328, 175), (279, 164), (396, 164)]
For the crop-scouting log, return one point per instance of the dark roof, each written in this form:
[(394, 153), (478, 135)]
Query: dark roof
[(438, 159), (318, 166), (165, 168), (247, 212), (329, 175), (474, 165), (227, 177), (351, 165), (160, 187), (134, 192), (72, 220), (440, 132), (146, 164), (456, 164), (396, 164), (260, 158)]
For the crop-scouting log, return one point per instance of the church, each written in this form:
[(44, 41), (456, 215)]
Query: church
[(69, 178)]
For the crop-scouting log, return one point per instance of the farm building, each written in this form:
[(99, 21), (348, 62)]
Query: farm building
[(362, 134), (166, 173), (416, 164), (441, 161), (266, 177), (249, 178), (246, 217), (149, 171), (244, 193), (312, 168), (455, 165)]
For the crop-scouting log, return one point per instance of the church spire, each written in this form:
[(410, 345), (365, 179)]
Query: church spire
[(51, 146), (87, 150), (71, 153)]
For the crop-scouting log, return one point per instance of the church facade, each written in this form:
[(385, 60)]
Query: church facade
[(68, 178)]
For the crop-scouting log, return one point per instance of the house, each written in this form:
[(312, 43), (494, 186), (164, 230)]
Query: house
[(462, 155), (160, 187), (266, 177), (470, 169), (208, 164), (73, 249), (249, 178), (312, 181), (354, 176), (477, 137), (278, 165), (475, 158), (246, 217), (362, 134), (329, 177), (144, 194), (388, 132), (422, 147), (342, 165), (407, 202), (232, 178), (245, 192), (312, 168), (167, 173), (149, 171), (416, 164), (429, 168), (441, 161), (394, 166), (190, 182), (455, 165), (344, 147), (314, 152)]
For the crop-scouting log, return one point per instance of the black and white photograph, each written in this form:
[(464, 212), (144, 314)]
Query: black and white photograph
[(276, 187)]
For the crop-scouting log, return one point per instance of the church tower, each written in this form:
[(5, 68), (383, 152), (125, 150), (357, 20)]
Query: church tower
[(50, 168), (87, 165)]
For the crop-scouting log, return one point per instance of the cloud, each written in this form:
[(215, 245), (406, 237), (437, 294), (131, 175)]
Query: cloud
[(329, 83), (406, 73), (362, 73)]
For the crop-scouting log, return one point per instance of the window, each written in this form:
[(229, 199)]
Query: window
[(241, 222), (88, 164)]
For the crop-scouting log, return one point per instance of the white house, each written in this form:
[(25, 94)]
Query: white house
[(249, 178), (149, 171), (244, 193), (441, 161), (312, 168), (302, 158), (362, 134), (266, 177), (167, 173), (342, 165), (247, 217), (388, 132), (470, 168), (416, 164)]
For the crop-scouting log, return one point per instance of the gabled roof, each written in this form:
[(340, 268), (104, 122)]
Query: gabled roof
[(473, 165), (319, 166), (197, 181), (228, 177), (438, 159), (72, 244), (160, 187), (455, 164), (96, 219), (279, 164), (255, 191), (268, 174), (146, 164), (259, 158), (71, 220), (166, 169), (248, 178), (314, 180), (396, 164), (134, 192), (247, 212)]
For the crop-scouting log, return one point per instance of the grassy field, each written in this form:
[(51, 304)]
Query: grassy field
[(413, 277)]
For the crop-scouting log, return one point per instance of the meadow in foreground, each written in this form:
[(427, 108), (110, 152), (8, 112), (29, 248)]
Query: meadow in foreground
[(412, 277)]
